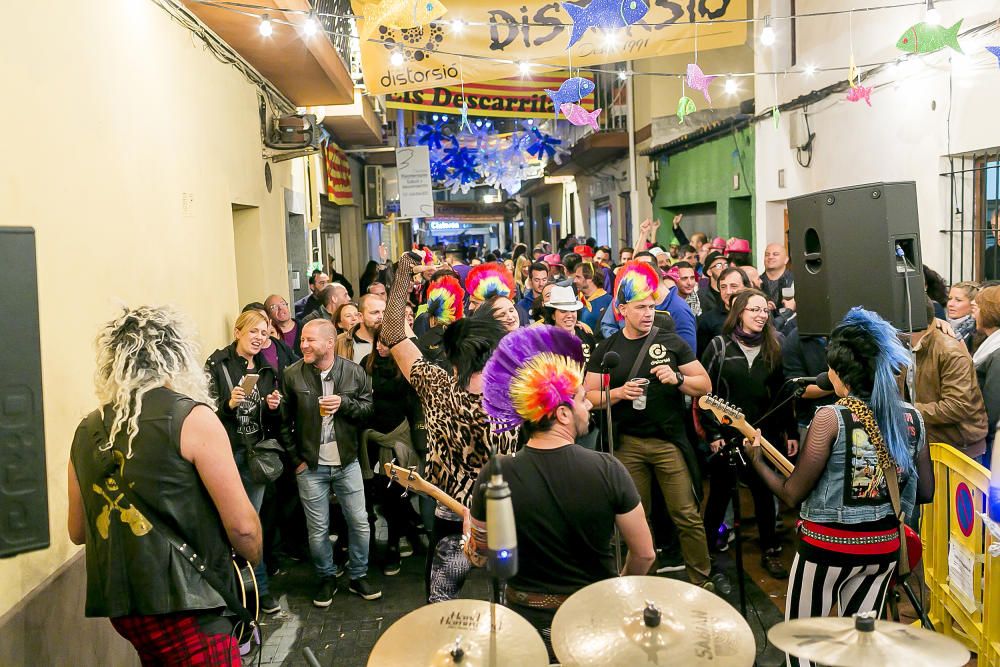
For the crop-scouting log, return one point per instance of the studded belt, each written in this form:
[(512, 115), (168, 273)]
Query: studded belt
[(848, 541)]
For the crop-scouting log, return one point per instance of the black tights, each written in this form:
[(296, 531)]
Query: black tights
[(720, 492)]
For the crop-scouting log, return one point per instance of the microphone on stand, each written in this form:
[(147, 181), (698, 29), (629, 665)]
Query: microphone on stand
[(822, 381), (609, 363), (501, 533)]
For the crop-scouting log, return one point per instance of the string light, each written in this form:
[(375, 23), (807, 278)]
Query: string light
[(810, 70), (396, 59), (623, 75), (610, 39), (457, 26), (767, 35), (933, 16), (265, 28), (524, 67), (731, 86), (311, 26)]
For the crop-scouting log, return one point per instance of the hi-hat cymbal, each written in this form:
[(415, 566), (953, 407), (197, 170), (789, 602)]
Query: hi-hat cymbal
[(853, 641), (458, 632), (613, 623)]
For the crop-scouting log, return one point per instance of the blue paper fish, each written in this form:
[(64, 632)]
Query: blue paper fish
[(571, 90), (995, 50), (606, 15)]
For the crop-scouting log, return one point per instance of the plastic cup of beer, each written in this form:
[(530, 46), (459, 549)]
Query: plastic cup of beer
[(640, 402), (322, 410)]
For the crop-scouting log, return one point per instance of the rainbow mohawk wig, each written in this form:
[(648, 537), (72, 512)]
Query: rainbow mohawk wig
[(488, 280), (532, 372), (444, 300), (637, 281)]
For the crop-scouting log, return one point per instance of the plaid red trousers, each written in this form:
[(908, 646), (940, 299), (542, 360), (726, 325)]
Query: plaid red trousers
[(177, 639)]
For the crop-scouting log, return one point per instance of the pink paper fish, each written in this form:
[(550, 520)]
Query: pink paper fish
[(698, 80), (577, 115), (859, 93)]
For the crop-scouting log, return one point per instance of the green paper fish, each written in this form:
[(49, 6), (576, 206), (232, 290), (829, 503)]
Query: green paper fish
[(776, 116), (927, 38), (685, 106)]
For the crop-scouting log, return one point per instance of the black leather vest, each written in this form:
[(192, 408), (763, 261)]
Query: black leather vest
[(131, 569)]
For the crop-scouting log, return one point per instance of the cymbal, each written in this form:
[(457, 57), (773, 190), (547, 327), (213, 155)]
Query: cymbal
[(613, 623), (849, 642), (429, 637)]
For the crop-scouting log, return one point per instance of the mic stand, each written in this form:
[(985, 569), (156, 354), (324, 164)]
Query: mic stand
[(606, 393), (796, 393), (735, 458)]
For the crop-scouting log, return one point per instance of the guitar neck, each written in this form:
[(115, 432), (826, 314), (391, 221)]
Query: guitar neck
[(420, 485), (446, 500), (784, 466)]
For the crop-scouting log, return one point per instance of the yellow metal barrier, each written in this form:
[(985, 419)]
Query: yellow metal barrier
[(964, 582)]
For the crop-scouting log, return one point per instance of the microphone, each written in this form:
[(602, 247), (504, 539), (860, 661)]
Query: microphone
[(501, 534), (610, 361), (822, 381)]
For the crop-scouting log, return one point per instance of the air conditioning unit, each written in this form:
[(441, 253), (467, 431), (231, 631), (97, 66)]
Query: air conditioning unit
[(374, 196), (294, 132)]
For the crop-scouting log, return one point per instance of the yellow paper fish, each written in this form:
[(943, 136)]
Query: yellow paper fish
[(396, 14), (852, 73)]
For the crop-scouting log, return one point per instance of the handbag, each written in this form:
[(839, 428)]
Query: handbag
[(263, 458)]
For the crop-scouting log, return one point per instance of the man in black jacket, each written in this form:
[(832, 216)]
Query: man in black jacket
[(328, 400)]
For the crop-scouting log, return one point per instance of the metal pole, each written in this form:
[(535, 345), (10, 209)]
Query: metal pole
[(633, 195)]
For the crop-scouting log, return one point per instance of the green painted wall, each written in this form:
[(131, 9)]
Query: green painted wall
[(702, 176)]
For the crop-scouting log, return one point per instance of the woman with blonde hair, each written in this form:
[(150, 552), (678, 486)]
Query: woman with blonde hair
[(249, 412), (959, 310), (986, 313)]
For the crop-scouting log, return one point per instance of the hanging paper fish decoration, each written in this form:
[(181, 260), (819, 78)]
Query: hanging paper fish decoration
[(776, 116), (685, 106), (571, 90), (464, 125), (852, 73), (606, 15), (577, 115), (859, 93), (927, 38), (698, 80), (995, 50), (396, 14)]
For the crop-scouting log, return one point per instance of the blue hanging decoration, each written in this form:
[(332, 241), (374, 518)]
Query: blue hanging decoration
[(430, 135), (542, 144), (606, 15), (461, 163), (995, 50)]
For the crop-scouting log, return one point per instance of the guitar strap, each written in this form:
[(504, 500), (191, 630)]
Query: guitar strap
[(99, 433)]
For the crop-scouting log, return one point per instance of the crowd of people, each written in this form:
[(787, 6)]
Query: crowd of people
[(450, 361)]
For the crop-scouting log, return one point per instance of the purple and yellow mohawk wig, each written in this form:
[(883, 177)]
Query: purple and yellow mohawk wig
[(532, 372), (490, 279), (445, 299), (637, 281)]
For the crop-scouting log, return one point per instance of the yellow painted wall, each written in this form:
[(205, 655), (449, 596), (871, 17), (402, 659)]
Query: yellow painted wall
[(114, 113)]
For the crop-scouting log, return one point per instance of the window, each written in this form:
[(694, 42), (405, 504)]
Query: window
[(974, 201)]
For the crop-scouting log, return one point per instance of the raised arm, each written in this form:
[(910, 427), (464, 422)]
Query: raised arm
[(394, 329), (813, 455)]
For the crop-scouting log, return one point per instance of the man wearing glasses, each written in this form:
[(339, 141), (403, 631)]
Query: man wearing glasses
[(289, 330), (708, 291)]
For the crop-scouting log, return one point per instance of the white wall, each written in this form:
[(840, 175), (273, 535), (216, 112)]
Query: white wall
[(904, 136)]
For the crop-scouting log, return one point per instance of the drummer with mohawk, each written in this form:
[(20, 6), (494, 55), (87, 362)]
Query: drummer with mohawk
[(567, 500)]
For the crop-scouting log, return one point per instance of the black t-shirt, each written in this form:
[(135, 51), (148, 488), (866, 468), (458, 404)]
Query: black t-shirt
[(664, 413), (565, 502)]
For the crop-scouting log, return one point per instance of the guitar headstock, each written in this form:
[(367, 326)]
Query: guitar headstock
[(727, 413), (408, 478)]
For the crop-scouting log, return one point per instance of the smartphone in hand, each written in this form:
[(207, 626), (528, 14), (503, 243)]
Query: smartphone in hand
[(248, 382)]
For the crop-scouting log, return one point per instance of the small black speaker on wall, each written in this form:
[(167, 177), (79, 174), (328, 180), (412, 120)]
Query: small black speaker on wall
[(24, 509), (857, 246)]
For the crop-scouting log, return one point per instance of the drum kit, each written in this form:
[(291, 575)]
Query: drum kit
[(633, 621)]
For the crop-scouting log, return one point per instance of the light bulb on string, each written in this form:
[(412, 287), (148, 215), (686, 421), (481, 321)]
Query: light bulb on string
[(623, 75), (767, 36), (311, 26), (396, 59), (479, 123), (810, 70), (933, 16), (524, 67), (457, 26), (731, 87), (265, 28), (610, 39)]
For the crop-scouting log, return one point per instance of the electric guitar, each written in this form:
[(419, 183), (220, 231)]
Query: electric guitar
[(730, 415), (248, 595), (409, 479)]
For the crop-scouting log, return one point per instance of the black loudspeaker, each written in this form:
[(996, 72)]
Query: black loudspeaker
[(24, 509), (857, 246)]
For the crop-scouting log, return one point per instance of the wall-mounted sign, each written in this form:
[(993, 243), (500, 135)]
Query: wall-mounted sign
[(413, 169)]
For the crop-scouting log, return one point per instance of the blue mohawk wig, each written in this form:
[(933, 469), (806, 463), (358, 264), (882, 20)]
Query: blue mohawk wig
[(885, 401)]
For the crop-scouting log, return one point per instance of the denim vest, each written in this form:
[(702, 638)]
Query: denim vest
[(844, 492)]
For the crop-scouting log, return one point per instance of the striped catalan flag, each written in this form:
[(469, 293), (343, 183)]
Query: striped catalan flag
[(338, 176)]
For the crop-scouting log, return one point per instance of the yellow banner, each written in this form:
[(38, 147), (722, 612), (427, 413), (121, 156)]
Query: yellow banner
[(507, 98), (535, 32)]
